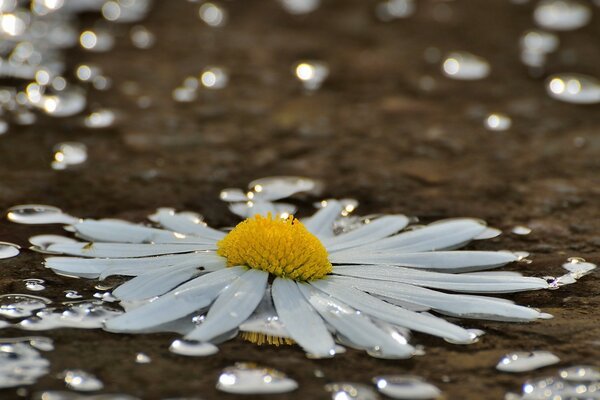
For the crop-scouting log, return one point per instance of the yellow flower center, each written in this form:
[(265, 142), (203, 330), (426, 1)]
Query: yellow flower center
[(282, 247)]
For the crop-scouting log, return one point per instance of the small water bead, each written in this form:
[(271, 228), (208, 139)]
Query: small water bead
[(82, 381), (183, 94), (393, 9), (406, 387), (212, 14), (562, 15), (35, 285), (498, 122), (102, 118), (526, 361), (578, 267), (141, 37), (574, 88), (521, 230), (580, 373), (214, 78), (69, 153), (125, 11), (311, 73), (3, 127), (65, 103), (248, 378), (351, 391), (20, 364), (72, 294), (539, 41), (465, 66), (557, 388), (142, 358), (21, 305), (193, 348), (9, 250)]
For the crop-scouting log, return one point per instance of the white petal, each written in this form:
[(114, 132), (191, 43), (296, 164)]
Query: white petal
[(380, 309), (438, 260), (299, 318), (373, 231), (155, 283), (189, 297), (103, 267), (475, 283), (358, 328), (321, 223), (464, 306), (127, 250), (233, 306), (124, 232), (186, 223), (441, 235)]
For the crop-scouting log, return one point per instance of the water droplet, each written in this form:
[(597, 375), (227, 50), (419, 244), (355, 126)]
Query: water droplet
[(35, 285), (465, 66), (351, 391), (3, 127), (311, 73), (20, 364), (82, 381), (498, 122), (574, 88), (561, 15), (406, 387), (9, 250), (141, 37), (578, 269), (214, 78), (393, 9), (62, 104), (193, 348), (98, 41), (248, 378), (580, 373), (521, 230), (69, 153), (526, 361), (72, 294), (87, 315), (142, 358), (183, 94), (21, 305), (299, 7), (212, 14), (100, 119), (279, 187), (42, 242), (539, 41)]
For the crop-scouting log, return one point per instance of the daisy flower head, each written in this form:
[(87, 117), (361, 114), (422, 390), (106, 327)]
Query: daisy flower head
[(314, 281)]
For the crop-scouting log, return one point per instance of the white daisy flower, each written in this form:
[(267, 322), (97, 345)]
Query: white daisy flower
[(286, 280)]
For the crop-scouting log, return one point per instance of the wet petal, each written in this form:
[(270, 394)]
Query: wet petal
[(441, 260), (370, 305), (233, 306), (125, 249), (321, 223), (355, 326), (185, 222), (300, 319), (189, 297), (155, 283), (373, 231), (470, 283)]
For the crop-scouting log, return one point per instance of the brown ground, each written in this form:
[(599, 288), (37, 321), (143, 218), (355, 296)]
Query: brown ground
[(371, 133)]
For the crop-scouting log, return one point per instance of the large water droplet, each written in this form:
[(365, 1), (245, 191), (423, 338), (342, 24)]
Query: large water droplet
[(82, 381), (351, 391), (212, 14), (574, 88), (87, 315), (247, 378), (20, 364), (406, 387), (142, 358), (193, 348), (521, 230), (526, 361), (100, 119), (42, 242), (9, 250), (562, 15), (21, 305), (35, 285), (465, 66)]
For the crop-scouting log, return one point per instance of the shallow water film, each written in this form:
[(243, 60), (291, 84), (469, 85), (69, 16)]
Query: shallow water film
[(135, 134)]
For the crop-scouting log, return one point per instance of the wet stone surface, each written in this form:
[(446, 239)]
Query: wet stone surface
[(384, 126)]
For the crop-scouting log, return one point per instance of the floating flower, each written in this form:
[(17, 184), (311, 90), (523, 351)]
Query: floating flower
[(312, 281)]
